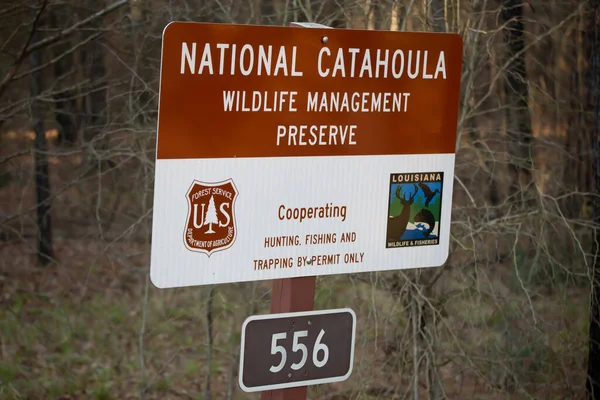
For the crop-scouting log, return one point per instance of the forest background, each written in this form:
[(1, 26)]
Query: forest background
[(505, 318)]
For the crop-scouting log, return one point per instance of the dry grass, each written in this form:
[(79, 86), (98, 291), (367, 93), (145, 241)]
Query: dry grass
[(72, 331)]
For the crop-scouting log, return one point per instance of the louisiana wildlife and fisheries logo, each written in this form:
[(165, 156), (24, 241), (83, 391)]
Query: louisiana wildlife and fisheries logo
[(210, 225), (415, 207)]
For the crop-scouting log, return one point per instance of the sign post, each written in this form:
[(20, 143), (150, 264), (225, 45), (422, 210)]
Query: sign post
[(284, 154), (292, 294), (289, 295)]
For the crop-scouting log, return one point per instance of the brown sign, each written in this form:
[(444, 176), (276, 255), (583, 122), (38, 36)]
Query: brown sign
[(263, 91), (330, 135), (296, 349)]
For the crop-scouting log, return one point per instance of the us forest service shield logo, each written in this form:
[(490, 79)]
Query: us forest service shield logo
[(210, 225), (415, 206)]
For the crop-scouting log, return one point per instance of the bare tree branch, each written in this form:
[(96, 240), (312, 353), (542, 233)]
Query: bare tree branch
[(75, 27), (28, 49), (24, 51)]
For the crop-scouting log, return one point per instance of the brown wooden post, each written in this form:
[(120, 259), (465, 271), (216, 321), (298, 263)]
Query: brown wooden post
[(291, 295)]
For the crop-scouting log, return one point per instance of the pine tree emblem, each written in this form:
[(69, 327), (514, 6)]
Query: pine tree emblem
[(211, 215)]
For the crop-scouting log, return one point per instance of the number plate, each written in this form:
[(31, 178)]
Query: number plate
[(296, 349)]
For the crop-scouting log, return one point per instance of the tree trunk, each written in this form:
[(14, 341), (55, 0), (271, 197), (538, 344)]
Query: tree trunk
[(141, 96), (577, 174), (382, 14), (593, 375), (437, 17), (401, 16), (40, 147), (267, 13), (518, 119), (92, 58), (64, 101)]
